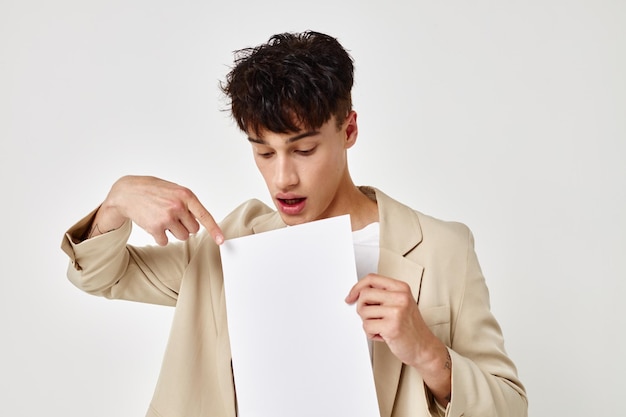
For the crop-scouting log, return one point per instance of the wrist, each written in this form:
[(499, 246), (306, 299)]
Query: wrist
[(435, 366), (107, 219)]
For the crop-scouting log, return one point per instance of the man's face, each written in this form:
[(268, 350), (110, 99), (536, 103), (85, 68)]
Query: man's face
[(306, 172)]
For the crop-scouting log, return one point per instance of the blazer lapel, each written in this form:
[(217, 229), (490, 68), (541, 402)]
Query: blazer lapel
[(400, 233)]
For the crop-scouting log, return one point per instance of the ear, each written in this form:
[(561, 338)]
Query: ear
[(352, 129)]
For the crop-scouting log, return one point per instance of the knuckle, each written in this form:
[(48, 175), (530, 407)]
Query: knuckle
[(160, 225), (163, 222), (175, 207), (184, 193), (395, 313), (394, 332), (405, 300), (359, 309)]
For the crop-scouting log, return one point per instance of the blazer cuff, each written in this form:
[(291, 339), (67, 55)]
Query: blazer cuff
[(78, 248)]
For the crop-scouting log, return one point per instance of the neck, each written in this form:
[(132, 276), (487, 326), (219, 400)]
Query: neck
[(366, 211), (361, 208)]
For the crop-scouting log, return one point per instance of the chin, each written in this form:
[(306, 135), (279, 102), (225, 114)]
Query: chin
[(293, 220)]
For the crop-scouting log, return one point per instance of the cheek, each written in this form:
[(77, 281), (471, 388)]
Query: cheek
[(336, 164), (325, 175), (264, 169), (318, 173)]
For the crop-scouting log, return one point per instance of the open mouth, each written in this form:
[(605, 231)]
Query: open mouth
[(291, 201), (291, 206)]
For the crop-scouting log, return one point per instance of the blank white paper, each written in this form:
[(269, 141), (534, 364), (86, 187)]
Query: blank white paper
[(297, 348)]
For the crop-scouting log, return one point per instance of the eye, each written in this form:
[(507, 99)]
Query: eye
[(261, 150), (306, 152)]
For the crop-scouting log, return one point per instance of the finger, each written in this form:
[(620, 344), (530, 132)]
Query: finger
[(375, 296), (378, 282), (374, 329), (353, 295), (204, 217), (371, 312), (368, 281), (160, 237), (179, 231), (366, 294), (390, 287), (384, 283), (190, 223), (356, 289)]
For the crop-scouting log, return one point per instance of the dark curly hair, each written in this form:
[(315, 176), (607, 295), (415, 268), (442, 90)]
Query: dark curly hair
[(294, 81)]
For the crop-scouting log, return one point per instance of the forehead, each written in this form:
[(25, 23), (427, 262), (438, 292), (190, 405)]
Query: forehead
[(264, 136), (263, 132)]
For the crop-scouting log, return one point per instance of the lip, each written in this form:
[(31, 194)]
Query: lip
[(290, 204)]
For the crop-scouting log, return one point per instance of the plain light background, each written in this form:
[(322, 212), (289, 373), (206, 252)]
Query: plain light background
[(507, 116)]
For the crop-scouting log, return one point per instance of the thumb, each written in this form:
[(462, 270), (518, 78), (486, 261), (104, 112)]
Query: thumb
[(352, 296)]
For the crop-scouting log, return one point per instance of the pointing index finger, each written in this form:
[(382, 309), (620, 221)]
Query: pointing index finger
[(206, 219)]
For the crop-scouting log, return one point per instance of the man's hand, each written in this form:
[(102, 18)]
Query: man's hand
[(390, 314), (156, 206)]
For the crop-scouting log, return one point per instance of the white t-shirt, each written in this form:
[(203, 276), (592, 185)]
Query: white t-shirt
[(366, 252), (366, 249)]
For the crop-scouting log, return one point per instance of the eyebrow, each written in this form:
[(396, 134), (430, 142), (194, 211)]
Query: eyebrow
[(289, 140)]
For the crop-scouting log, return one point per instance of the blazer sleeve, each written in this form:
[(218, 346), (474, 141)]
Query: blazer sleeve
[(484, 379), (107, 266)]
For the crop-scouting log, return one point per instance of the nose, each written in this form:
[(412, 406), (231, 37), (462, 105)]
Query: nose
[(285, 175)]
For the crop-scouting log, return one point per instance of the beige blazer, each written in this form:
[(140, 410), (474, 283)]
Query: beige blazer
[(435, 258)]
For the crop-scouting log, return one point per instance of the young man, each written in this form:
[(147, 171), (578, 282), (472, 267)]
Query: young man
[(436, 348)]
